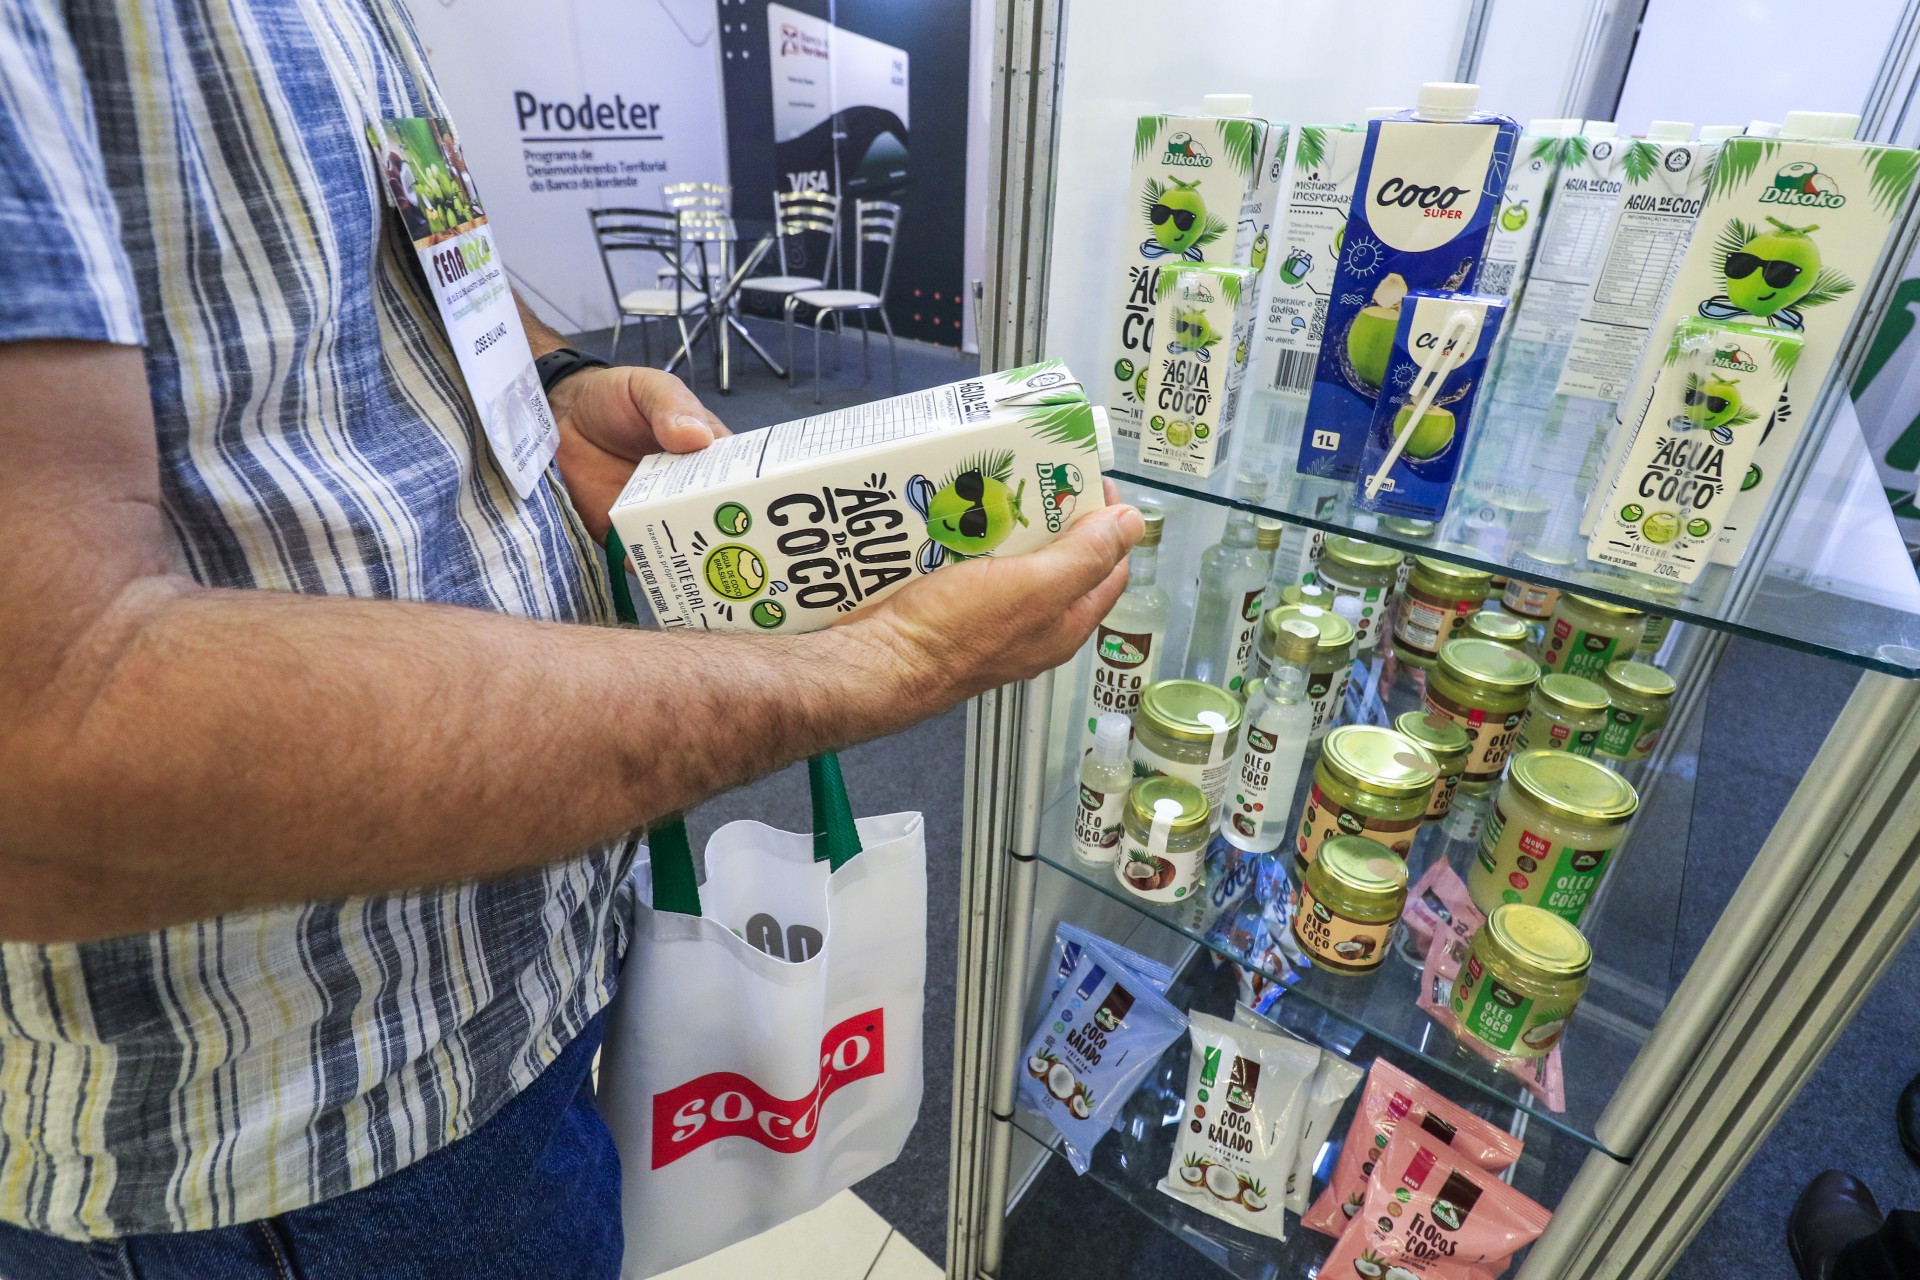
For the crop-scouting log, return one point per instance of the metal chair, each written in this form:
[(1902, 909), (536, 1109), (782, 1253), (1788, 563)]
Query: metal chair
[(659, 232), (876, 229), (698, 203), (806, 228)]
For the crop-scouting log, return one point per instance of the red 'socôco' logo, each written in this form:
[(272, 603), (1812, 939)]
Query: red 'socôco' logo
[(726, 1104)]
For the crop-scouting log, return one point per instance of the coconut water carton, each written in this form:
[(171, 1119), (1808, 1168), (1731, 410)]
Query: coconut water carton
[(1717, 385), (1523, 206), (1429, 341), (1203, 326), (1790, 233), (1663, 187), (1326, 165), (1430, 181), (1203, 190), (789, 528)]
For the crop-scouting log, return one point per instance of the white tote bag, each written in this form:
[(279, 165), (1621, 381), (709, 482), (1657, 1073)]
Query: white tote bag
[(764, 1051)]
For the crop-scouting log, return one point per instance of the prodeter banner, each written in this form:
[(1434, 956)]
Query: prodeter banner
[(574, 105)]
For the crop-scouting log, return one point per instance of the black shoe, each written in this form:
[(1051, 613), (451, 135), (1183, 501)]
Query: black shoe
[(1906, 1119), (1835, 1210)]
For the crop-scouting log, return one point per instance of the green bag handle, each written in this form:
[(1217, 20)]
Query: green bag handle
[(836, 837)]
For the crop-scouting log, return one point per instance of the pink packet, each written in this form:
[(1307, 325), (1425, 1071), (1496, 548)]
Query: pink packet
[(1545, 1077), (1440, 901), (1432, 1214), (1393, 1100)]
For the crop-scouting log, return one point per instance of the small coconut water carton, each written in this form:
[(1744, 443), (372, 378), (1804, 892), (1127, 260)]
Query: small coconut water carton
[(788, 528), (1429, 338), (1326, 165), (1790, 234), (1718, 384), (1204, 327), (1204, 190), (1430, 182), (1523, 207), (1663, 188)]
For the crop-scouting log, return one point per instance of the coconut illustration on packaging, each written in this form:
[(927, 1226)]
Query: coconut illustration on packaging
[(1773, 273), (1146, 872), (1354, 949), (1431, 436), (1039, 1064), (1545, 1035), (1222, 1182), (1370, 336), (1400, 1273), (1370, 1264), (971, 512), (1193, 1170)]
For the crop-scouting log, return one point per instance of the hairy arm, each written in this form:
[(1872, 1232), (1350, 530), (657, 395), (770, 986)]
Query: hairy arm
[(170, 752)]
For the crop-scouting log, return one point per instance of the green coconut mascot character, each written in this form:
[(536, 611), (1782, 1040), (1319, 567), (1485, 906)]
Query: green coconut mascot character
[(970, 513), (1178, 220), (1772, 275), (1192, 333)]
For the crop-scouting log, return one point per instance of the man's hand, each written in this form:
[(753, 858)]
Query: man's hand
[(986, 622), (609, 419)]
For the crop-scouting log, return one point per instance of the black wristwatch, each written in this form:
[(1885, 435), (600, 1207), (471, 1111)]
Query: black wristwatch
[(564, 362)]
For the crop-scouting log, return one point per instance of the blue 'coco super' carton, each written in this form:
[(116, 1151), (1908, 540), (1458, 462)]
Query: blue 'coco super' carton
[(1421, 478), (1430, 182)]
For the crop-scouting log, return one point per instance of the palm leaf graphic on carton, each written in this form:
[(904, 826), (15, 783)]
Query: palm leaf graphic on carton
[(1640, 160), (1894, 169), (1313, 147), (1239, 139), (1737, 161), (1573, 148), (1145, 130), (1067, 423)]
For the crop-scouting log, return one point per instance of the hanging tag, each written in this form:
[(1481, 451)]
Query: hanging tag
[(1218, 723), (425, 178), (1165, 811)]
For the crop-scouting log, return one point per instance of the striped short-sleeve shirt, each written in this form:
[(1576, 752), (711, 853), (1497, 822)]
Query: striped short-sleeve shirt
[(193, 176)]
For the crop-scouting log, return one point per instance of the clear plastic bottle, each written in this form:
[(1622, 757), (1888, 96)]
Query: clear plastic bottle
[(1273, 745), (1128, 641), (1226, 607), (1105, 775)]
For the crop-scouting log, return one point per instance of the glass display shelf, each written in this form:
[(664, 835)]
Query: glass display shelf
[(1133, 1157), (1780, 608), (1632, 925)]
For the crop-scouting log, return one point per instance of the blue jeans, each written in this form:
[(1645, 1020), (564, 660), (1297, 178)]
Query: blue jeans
[(533, 1194)]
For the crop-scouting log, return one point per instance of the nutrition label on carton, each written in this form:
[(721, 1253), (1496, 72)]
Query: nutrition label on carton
[(882, 422)]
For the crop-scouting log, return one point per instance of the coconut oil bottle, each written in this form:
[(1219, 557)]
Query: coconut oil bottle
[(1226, 608), (1128, 642), (1273, 744)]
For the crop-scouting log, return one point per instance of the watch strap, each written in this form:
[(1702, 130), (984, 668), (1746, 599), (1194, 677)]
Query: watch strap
[(564, 362)]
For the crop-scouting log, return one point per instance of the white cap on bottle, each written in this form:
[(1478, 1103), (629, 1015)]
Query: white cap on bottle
[(1670, 130), (1762, 129), (1559, 128), (1446, 100), (1719, 132), (1600, 129), (1347, 607), (1102, 438), (1111, 734), (1824, 125), (1227, 104), (1365, 521)]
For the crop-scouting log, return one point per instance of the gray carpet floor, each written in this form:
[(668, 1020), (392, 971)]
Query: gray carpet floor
[(1766, 716)]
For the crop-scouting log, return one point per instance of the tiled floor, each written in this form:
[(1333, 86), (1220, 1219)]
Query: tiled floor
[(841, 1240)]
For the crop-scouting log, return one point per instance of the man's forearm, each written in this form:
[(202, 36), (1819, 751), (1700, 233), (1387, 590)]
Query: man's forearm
[(541, 336), (203, 751)]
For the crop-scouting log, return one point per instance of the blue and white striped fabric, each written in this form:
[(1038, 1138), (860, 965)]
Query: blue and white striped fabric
[(193, 176)]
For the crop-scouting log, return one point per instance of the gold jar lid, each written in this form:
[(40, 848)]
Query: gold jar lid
[(1573, 787), (1308, 593), (1336, 633), (1531, 942), (1642, 678), (1154, 525), (1444, 740), (1489, 665), (1360, 877), (1296, 640), (1574, 693), (1501, 628), (1450, 577), (1607, 607), (1407, 527), (1194, 815), (1179, 709), (1266, 533), (1367, 557), (1380, 761)]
